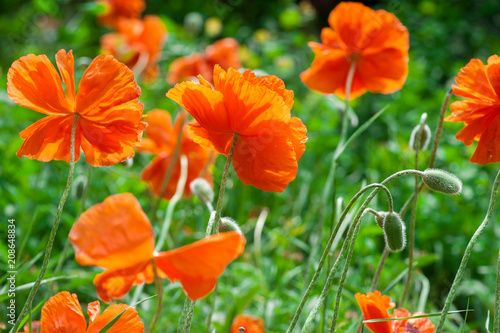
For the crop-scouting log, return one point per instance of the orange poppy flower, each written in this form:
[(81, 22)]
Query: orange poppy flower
[(124, 246), (109, 126), (250, 323), (375, 40), (223, 53), (417, 325), (258, 109), (161, 140), (115, 9), (375, 306), (138, 44), (480, 85), (63, 314)]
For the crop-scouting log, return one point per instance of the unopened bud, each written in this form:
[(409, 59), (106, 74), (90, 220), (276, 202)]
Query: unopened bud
[(442, 181), (425, 138), (202, 189), (79, 185), (228, 224), (394, 232)]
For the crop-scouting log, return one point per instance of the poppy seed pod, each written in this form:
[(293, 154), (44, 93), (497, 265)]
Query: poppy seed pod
[(228, 224), (394, 232), (442, 181), (203, 190), (424, 139)]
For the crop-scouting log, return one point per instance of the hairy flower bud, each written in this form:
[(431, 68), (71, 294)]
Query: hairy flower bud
[(202, 189), (228, 224), (424, 139), (394, 232), (442, 181)]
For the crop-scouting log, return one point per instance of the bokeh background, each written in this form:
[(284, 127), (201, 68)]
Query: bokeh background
[(444, 36)]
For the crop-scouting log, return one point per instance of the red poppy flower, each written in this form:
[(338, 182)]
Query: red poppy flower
[(109, 124), (138, 44), (480, 85), (375, 40), (124, 246), (258, 109), (417, 325), (63, 314), (250, 323), (223, 53), (161, 140), (116, 9)]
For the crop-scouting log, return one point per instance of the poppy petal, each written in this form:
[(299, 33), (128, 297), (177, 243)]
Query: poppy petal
[(198, 265), (488, 146), (115, 284), (375, 306), (124, 240), (221, 143), (93, 310), (204, 104), (224, 53), (66, 65), (472, 82), (271, 82), (62, 314), (128, 322), (33, 82), (160, 133), (50, 139)]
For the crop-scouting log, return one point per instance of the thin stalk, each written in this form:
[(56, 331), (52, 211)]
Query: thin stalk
[(381, 264), (222, 189), (344, 273), (173, 202), (182, 318), (467, 253), (53, 232), (159, 292), (189, 316), (212, 308), (496, 311), (411, 233), (170, 169)]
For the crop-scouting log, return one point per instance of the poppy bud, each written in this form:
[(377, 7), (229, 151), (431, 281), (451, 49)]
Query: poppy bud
[(79, 185), (202, 189), (394, 232), (424, 139), (442, 181), (228, 224)]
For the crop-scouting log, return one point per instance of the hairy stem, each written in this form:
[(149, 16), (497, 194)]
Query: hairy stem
[(159, 292)]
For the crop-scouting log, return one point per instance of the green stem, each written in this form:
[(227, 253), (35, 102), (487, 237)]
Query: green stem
[(182, 318), (159, 292), (173, 202), (212, 308), (168, 174), (411, 236), (496, 311), (467, 253), (381, 264), (222, 189), (53, 232), (189, 316)]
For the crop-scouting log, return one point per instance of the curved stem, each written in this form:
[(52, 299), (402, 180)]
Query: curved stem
[(222, 189), (173, 202), (159, 292), (467, 253), (53, 232)]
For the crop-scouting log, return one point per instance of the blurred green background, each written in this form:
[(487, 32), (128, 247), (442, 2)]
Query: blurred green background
[(273, 36)]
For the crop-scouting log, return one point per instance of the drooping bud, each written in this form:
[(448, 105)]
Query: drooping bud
[(442, 181), (425, 138), (394, 232), (202, 189), (228, 224)]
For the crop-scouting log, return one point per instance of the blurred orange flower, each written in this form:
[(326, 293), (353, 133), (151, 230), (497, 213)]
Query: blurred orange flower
[(138, 44), (250, 323), (375, 306), (117, 236), (62, 314), (480, 85), (109, 124), (375, 40), (116, 9), (35, 327), (161, 140), (223, 53), (270, 141)]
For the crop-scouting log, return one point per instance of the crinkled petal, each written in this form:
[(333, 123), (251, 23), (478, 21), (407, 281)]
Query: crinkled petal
[(128, 322), (66, 64), (50, 139), (197, 266), (113, 234), (33, 82), (472, 82), (62, 314), (488, 146), (271, 82), (221, 143), (93, 310), (115, 284)]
